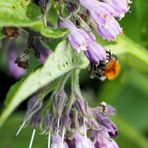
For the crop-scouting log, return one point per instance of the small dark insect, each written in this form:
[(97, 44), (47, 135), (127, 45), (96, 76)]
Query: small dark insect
[(108, 69), (10, 32)]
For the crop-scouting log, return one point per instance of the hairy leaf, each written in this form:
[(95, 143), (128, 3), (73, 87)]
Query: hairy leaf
[(62, 61)]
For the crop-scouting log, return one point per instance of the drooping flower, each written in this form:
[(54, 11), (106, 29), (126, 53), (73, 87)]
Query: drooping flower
[(44, 52), (81, 40), (99, 11), (78, 38), (95, 53), (102, 140), (106, 123), (120, 7), (13, 69), (36, 119), (110, 29), (33, 114), (102, 16)]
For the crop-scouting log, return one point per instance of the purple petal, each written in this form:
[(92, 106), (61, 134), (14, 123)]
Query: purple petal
[(82, 141), (57, 142), (95, 53), (120, 7), (13, 68), (109, 30), (78, 38)]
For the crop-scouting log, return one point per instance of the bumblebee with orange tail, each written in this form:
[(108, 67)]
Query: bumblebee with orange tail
[(107, 69)]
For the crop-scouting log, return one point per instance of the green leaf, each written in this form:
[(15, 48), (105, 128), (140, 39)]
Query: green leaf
[(23, 13), (62, 61), (13, 13), (29, 11), (54, 33), (12, 91)]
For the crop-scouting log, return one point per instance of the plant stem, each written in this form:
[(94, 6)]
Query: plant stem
[(74, 89)]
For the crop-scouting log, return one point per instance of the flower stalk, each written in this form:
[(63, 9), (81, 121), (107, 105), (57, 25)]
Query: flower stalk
[(74, 89)]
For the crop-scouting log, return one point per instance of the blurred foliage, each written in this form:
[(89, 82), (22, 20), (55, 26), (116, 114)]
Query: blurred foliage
[(128, 93), (23, 13), (8, 139)]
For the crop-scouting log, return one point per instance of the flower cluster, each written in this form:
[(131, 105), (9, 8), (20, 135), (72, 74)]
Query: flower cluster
[(102, 15), (81, 40), (72, 124)]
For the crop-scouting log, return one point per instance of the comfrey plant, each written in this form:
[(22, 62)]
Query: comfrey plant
[(64, 115)]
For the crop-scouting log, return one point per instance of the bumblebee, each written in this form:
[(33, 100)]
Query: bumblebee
[(107, 69)]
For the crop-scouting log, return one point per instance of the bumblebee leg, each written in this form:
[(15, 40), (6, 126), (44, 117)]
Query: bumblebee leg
[(92, 71)]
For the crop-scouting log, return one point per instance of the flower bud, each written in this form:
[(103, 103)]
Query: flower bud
[(44, 4), (36, 120), (59, 101), (13, 69), (78, 38)]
